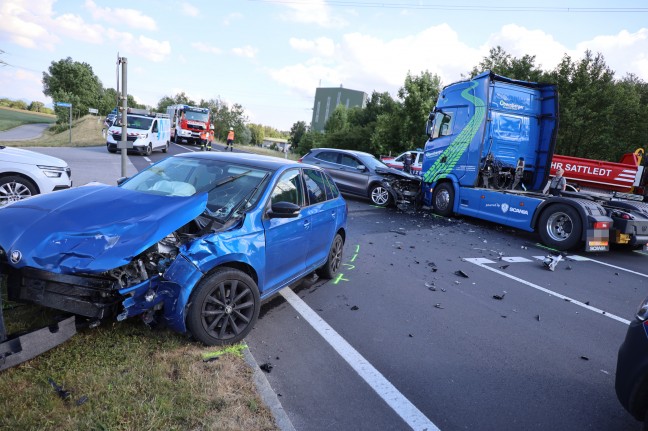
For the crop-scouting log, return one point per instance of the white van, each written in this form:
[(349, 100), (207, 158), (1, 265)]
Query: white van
[(147, 132)]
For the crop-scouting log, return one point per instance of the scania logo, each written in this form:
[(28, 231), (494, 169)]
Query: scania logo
[(16, 255), (505, 208)]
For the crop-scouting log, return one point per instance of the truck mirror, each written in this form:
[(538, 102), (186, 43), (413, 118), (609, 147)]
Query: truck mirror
[(429, 127)]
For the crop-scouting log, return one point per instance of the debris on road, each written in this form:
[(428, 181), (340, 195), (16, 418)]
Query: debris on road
[(430, 286), (267, 367), (398, 232), (438, 306), (551, 261), (584, 358), (355, 308), (460, 273), (538, 317), (500, 297), (504, 266)]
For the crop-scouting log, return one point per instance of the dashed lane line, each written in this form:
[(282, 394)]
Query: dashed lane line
[(397, 401), (481, 262)]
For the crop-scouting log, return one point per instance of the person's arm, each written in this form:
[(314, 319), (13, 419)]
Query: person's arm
[(546, 188), (564, 184)]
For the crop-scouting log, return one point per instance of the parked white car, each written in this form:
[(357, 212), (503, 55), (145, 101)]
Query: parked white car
[(25, 173)]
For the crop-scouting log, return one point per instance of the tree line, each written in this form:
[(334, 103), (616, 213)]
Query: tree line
[(600, 116), (75, 82)]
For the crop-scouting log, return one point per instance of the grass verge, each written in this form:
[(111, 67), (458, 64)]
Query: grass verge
[(10, 118), (125, 376)]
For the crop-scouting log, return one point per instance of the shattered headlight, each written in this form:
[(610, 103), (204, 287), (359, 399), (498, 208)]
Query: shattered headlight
[(642, 313)]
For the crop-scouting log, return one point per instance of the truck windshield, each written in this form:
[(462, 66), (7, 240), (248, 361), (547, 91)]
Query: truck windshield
[(197, 116)]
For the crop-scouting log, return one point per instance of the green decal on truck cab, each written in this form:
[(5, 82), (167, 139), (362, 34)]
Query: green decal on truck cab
[(454, 151)]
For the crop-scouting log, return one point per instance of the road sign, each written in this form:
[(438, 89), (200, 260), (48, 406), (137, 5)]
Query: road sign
[(93, 110), (64, 104)]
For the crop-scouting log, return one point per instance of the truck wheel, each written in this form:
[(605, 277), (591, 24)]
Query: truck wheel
[(15, 188), (149, 149), (223, 308), (560, 227), (334, 259), (443, 199), (379, 195)]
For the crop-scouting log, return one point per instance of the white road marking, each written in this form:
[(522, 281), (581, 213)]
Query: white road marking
[(512, 259), (401, 405), (148, 160), (551, 292)]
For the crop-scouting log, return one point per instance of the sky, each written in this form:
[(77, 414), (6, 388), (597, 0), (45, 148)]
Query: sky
[(270, 55)]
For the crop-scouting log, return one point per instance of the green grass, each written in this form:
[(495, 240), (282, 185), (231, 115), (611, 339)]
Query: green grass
[(10, 118), (131, 378)]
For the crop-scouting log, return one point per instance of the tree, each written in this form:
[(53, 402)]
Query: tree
[(72, 82), (36, 106), (587, 93), (419, 94), (337, 122), (502, 63), (297, 131), (257, 134)]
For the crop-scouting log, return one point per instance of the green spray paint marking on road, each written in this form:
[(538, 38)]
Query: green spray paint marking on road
[(454, 151), (340, 276)]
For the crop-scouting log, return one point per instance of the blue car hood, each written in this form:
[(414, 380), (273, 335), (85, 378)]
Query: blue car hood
[(90, 229)]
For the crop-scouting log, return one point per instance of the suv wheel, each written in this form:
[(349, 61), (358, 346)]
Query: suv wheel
[(379, 195), (14, 188)]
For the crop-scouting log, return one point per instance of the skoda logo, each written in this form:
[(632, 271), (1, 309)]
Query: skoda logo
[(505, 207), (16, 255)]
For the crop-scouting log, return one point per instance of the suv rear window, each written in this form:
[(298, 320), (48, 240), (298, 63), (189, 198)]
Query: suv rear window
[(328, 156)]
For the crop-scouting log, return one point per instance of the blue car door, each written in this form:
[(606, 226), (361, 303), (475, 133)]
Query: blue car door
[(286, 238), (323, 212)]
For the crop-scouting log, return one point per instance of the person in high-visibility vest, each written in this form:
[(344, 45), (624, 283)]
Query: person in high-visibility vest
[(205, 142), (230, 140)]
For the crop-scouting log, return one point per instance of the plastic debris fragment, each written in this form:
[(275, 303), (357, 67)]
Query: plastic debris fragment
[(551, 261), (267, 367), (355, 307), (65, 395), (460, 273), (438, 306), (500, 297)]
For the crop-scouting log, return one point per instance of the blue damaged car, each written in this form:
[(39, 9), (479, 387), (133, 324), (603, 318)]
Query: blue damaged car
[(195, 241)]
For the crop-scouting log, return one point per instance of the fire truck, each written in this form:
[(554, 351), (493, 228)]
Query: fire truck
[(188, 123)]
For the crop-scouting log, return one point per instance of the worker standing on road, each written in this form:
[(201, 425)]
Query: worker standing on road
[(230, 140), (557, 184), (205, 142), (407, 163)]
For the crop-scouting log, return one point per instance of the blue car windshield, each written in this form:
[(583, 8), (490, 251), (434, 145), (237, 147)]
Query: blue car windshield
[(228, 184)]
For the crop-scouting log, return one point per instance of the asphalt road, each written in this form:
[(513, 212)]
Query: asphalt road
[(445, 323), (24, 133)]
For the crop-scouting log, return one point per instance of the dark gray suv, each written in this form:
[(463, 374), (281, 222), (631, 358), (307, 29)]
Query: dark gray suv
[(361, 174)]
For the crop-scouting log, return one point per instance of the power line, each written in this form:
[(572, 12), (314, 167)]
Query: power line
[(483, 8)]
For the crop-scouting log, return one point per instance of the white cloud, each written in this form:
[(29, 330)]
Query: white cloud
[(304, 78), (189, 9), (232, 17), (519, 41), (26, 22), (624, 52), (24, 85), (312, 12), (203, 47), (141, 46), (74, 27), (130, 17), (246, 51), (322, 46)]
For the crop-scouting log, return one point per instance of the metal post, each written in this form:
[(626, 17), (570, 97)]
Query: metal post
[(70, 108), (124, 138)]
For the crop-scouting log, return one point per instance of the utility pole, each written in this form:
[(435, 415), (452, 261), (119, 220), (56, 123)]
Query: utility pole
[(124, 117)]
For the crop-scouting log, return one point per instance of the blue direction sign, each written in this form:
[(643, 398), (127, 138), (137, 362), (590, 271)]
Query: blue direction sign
[(63, 104)]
